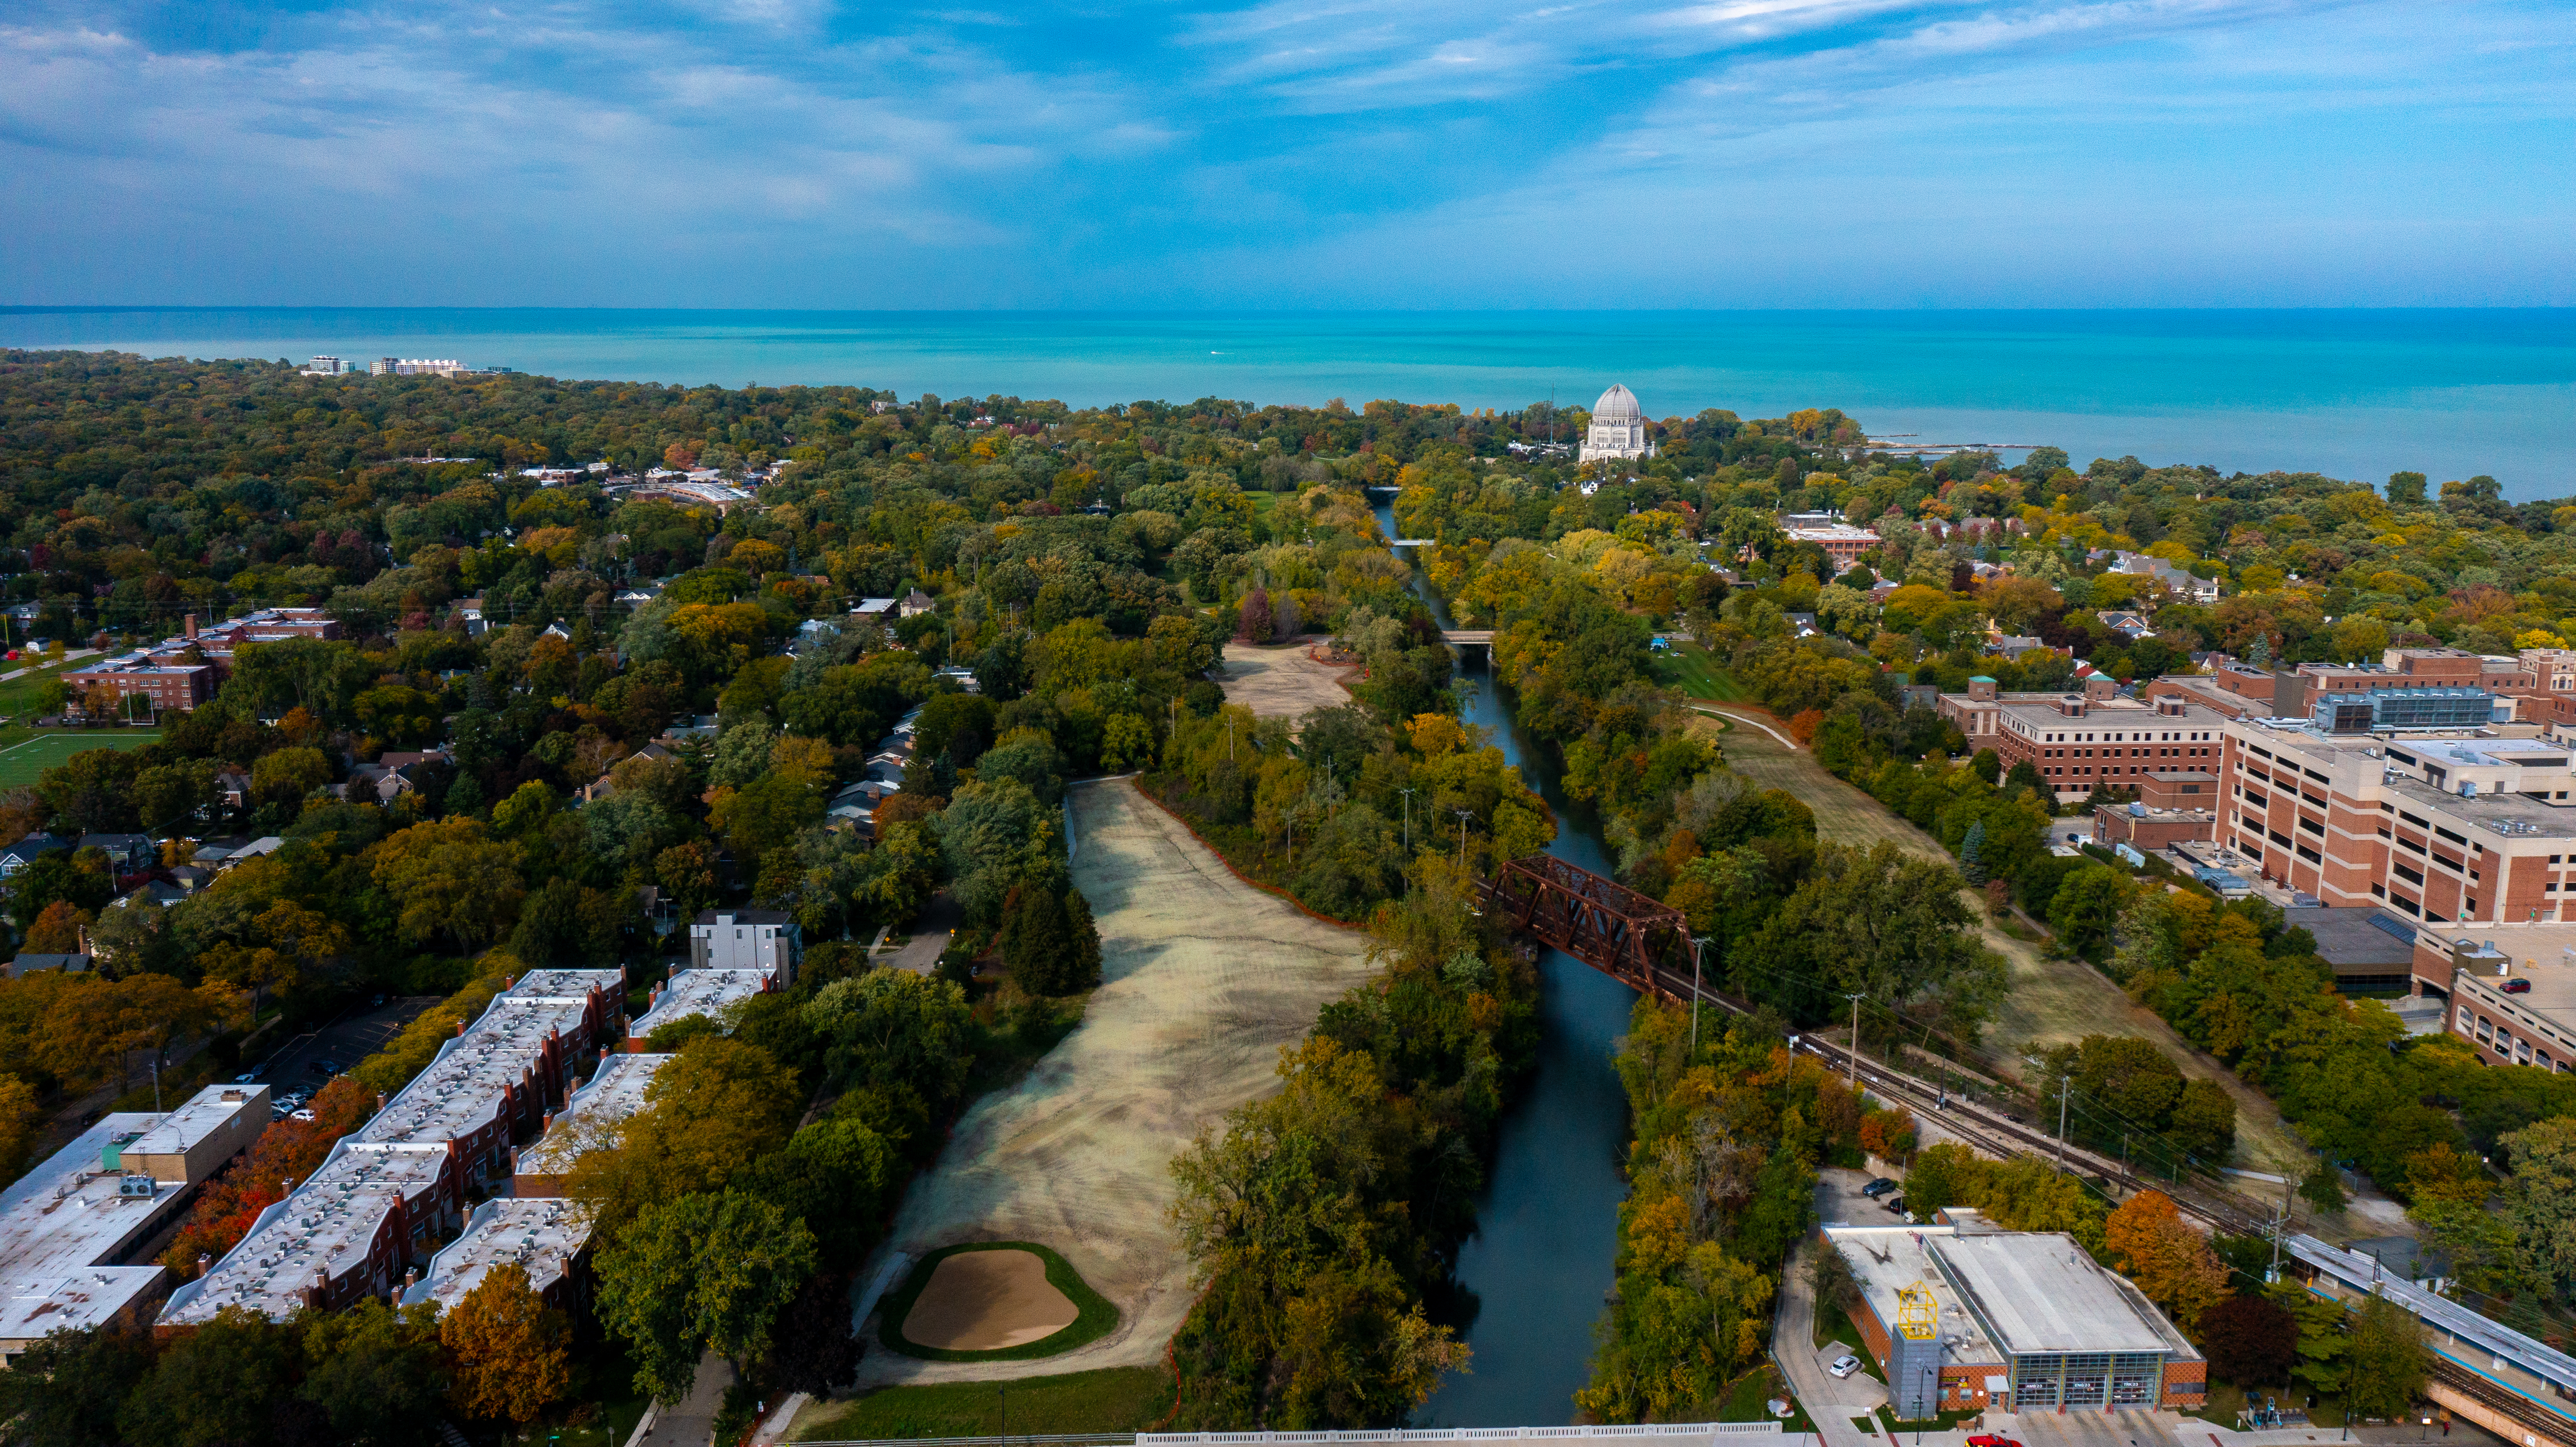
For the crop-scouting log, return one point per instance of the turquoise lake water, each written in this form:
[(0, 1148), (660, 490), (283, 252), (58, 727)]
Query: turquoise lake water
[(2350, 393)]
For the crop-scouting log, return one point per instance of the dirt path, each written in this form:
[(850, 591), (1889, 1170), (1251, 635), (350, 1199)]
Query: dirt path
[(2051, 1002), (1204, 978)]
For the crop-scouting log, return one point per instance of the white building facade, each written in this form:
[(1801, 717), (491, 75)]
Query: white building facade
[(1618, 427)]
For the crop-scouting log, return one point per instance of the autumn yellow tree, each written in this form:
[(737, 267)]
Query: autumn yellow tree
[(448, 877), (511, 1351), (17, 1120), (2169, 1261)]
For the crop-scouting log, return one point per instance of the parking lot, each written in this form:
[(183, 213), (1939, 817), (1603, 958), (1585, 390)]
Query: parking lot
[(361, 1031)]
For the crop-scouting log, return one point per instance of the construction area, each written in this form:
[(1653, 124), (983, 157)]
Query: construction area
[(1204, 978)]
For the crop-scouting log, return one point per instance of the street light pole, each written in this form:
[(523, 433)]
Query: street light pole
[(1463, 816), (2061, 1122)]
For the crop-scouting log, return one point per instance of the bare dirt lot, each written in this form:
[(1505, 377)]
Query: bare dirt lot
[(1204, 978), (978, 1301), (2052, 1002), (1281, 681)]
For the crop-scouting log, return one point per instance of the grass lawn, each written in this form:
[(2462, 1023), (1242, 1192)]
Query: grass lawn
[(1695, 671), (1748, 1399), (1119, 1399), (25, 760)]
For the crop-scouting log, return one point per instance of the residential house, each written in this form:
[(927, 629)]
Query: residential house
[(747, 939), (28, 850), (127, 853), (2127, 625), (916, 603), (25, 965)]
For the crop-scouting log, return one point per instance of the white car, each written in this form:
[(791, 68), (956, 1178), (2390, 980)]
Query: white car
[(1843, 1366)]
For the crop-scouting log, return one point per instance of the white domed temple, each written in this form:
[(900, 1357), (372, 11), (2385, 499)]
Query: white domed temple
[(1618, 427)]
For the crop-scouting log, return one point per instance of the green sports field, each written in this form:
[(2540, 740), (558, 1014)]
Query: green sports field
[(25, 763)]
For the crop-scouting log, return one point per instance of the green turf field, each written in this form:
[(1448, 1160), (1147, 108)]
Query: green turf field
[(26, 762), (1691, 669)]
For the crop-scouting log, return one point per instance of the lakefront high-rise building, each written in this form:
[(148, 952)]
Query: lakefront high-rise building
[(1618, 427)]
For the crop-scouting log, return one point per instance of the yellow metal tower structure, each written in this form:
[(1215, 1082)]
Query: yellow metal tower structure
[(1918, 1316)]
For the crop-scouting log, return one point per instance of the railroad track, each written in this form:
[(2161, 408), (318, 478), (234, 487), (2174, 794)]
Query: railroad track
[(1983, 1128), (2545, 1425)]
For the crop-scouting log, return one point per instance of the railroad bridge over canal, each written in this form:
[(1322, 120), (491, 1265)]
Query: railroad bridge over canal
[(2498, 1378)]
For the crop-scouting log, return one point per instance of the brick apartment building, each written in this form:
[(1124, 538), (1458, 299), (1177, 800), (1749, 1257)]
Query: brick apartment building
[(2241, 690), (184, 672), (364, 1222), (2078, 741), (2444, 826)]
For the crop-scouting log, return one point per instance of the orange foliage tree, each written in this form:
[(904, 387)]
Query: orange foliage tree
[(289, 1150), (510, 1350), (2169, 1261)]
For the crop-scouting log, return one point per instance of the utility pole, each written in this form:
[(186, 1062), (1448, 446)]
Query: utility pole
[(1696, 942), (1855, 998), (1463, 816), (1408, 819), (2061, 1122)]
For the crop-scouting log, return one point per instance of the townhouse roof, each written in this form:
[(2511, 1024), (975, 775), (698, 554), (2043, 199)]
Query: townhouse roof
[(697, 992), (540, 1236), (615, 1092)]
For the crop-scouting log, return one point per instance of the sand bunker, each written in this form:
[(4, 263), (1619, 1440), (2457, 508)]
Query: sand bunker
[(981, 1301), (1203, 978)]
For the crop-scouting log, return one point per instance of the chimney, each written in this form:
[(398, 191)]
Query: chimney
[(192, 625), (411, 1277), (204, 1263), (380, 1100), (460, 1029)]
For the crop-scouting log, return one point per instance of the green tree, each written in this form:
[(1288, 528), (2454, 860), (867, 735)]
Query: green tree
[(2086, 906), (216, 1385), (2540, 1200), (448, 877), (702, 1273), (2388, 1361), (376, 1372), (891, 1028), (66, 1388), (1049, 941)]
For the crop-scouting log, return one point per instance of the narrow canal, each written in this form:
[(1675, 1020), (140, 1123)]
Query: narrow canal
[(1539, 1266)]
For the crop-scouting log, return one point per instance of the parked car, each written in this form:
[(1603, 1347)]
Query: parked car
[(254, 1074), (326, 1066), (304, 1115), (1843, 1366), (1895, 1205), (1878, 1188), (2516, 986), (1988, 1439)]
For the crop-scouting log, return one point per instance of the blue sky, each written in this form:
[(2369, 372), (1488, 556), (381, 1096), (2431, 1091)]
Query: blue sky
[(1290, 153)]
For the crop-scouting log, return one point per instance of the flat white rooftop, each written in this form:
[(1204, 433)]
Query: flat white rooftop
[(698, 992), (1885, 1259), (182, 1130), (460, 1092), (2040, 1294), (568, 984), (612, 1095), (540, 1235), (328, 1226), (70, 1213)]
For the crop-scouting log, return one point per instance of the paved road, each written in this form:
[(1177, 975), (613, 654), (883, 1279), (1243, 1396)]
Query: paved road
[(352, 1037), (930, 935), (1830, 1404)]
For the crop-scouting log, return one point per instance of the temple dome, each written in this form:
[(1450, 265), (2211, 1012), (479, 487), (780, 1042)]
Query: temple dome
[(1617, 404)]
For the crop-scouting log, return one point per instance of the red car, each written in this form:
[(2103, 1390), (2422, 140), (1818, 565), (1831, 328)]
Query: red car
[(1990, 1440)]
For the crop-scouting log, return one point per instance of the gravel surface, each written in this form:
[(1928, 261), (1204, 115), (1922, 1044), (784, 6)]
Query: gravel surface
[(1204, 979)]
